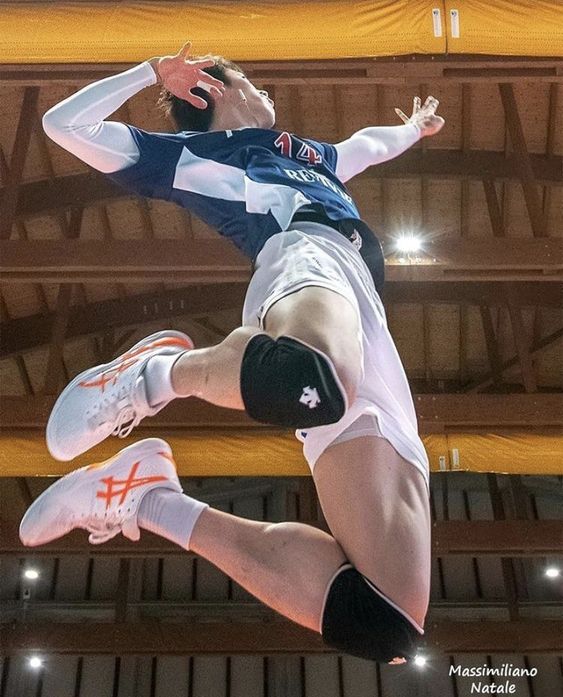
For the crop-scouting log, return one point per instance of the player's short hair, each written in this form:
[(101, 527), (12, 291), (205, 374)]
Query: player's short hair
[(187, 117)]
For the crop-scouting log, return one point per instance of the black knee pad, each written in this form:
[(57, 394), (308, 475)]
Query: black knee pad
[(286, 383), (359, 622)]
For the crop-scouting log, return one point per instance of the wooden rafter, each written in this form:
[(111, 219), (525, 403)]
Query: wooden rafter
[(385, 71), (264, 638), (511, 538), (436, 413), (521, 342), (55, 360), (509, 577), (482, 383), (216, 260), (523, 161), (466, 112), (554, 99), (40, 197), (9, 195), (26, 333), (491, 343)]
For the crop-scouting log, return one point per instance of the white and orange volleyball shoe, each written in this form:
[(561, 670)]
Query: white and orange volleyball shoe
[(103, 498), (109, 399)]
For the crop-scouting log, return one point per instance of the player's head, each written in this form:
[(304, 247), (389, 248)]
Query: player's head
[(241, 105)]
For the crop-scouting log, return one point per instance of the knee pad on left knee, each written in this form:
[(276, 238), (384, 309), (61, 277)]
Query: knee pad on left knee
[(358, 621), (284, 382)]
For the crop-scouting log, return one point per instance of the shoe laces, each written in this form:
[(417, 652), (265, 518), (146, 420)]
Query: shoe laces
[(127, 420), (116, 407), (103, 529)]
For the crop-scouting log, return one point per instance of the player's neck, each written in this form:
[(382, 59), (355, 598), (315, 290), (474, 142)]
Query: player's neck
[(236, 116)]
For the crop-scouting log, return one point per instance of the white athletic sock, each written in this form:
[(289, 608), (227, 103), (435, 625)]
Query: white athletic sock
[(158, 379), (170, 515)]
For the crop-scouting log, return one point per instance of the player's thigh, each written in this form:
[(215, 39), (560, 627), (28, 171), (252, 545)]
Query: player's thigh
[(326, 320), (376, 506)]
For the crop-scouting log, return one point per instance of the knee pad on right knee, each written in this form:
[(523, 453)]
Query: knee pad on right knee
[(359, 621), (284, 382)]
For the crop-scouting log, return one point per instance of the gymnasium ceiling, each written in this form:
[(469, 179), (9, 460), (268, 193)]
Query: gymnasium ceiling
[(87, 265), (88, 269)]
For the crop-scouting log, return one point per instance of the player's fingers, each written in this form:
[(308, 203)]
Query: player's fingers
[(203, 63), (213, 81), (402, 115), (210, 89), (431, 104), (184, 52), (415, 105), (196, 101)]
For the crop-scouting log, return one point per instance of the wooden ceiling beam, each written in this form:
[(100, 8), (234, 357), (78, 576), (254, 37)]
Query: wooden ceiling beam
[(41, 197), (521, 341), (216, 260), (385, 70), (10, 192), (536, 347), (54, 372), (436, 413), (509, 538), (26, 333), (523, 161), (276, 637)]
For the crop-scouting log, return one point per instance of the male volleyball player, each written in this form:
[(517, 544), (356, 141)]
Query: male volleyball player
[(313, 353)]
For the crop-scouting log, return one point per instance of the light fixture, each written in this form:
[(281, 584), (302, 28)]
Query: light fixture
[(420, 661), (407, 244), (552, 572), (35, 662), (31, 574)]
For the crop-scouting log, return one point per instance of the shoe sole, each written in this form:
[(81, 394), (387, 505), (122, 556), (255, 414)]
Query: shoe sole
[(140, 449), (90, 372)]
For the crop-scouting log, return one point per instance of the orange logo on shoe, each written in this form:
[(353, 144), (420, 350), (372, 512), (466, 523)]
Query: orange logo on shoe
[(126, 485), (109, 376), (130, 358)]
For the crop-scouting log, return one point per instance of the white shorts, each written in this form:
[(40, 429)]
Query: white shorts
[(311, 254)]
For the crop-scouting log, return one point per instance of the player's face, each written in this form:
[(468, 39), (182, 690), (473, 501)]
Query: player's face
[(246, 99)]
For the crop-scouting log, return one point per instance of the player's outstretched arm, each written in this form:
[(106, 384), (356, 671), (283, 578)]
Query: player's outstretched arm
[(376, 144), (77, 123)]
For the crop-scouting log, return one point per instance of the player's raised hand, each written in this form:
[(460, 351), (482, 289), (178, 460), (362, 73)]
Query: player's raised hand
[(424, 116), (179, 75)]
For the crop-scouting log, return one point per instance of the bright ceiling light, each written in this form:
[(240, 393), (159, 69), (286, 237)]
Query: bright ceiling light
[(420, 661), (31, 574), (35, 662), (409, 244), (552, 572)]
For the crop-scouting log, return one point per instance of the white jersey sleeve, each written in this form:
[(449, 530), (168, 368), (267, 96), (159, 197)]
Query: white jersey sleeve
[(77, 123), (373, 145)]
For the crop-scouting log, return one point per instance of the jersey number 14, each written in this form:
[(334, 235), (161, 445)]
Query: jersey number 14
[(284, 142)]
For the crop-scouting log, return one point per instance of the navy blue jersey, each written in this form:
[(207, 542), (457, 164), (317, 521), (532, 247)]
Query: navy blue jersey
[(247, 183)]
